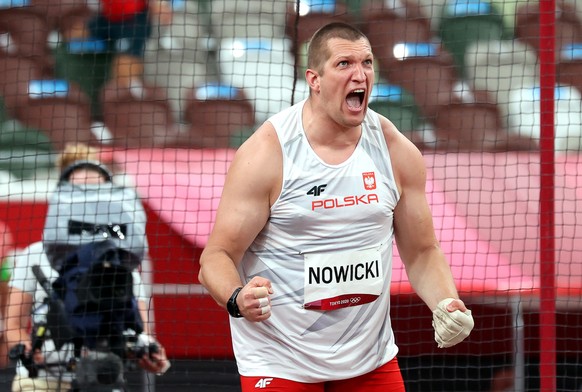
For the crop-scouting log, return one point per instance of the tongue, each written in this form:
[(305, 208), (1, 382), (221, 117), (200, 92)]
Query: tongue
[(353, 101)]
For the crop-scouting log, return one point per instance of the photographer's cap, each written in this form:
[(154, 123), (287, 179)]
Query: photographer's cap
[(79, 214)]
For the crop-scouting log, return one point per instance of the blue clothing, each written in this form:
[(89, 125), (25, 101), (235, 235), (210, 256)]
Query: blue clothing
[(127, 36)]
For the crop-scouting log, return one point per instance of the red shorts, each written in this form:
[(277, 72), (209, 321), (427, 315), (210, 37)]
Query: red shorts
[(386, 378)]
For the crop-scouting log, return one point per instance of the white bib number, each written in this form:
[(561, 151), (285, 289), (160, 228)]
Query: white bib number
[(339, 280)]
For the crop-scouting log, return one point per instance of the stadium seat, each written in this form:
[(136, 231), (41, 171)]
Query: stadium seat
[(218, 116), (179, 58), (499, 67), (433, 9), (41, 102), (568, 27), (188, 32), (467, 21), (24, 32), (15, 73), (23, 150), (396, 104), (524, 116), (58, 108), (476, 125), (137, 116), (387, 24), (85, 63), (425, 70), (312, 15), (251, 18), (63, 15), (569, 66), (264, 69)]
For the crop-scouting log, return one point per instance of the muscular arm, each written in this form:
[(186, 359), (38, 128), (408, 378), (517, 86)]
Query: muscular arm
[(252, 184), (426, 266)]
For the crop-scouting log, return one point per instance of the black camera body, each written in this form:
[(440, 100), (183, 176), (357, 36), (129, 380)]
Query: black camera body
[(99, 372), (94, 371), (103, 371), (91, 305)]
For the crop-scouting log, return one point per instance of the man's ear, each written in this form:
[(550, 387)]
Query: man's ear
[(312, 78)]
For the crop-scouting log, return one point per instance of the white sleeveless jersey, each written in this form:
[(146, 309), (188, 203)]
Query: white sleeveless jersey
[(329, 237)]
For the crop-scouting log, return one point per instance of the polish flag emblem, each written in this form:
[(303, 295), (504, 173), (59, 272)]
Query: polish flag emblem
[(369, 180)]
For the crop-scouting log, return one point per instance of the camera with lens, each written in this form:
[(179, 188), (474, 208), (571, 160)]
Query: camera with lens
[(91, 307), (98, 371), (94, 238)]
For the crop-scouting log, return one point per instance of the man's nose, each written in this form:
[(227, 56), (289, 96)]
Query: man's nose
[(359, 74)]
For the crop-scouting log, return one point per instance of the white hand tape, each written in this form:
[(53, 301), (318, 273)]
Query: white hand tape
[(265, 309), (263, 302), (450, 328)]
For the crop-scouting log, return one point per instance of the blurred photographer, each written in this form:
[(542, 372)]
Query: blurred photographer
[(48, 361)]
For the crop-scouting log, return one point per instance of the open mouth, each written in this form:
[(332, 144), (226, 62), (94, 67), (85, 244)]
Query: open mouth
[(355, 98)]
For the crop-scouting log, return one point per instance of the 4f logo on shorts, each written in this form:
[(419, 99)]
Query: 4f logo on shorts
[(369, 180), (263, 383)]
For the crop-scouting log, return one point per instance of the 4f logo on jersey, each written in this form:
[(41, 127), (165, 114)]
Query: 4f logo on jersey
[(369, 180), (263, 383), (317, 190)]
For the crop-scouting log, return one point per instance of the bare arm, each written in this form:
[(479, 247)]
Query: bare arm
[(252, 184), (426, 266), (144, 314), (18, 316), (154, 362)]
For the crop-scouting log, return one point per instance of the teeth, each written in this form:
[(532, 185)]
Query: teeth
[(358, 91)]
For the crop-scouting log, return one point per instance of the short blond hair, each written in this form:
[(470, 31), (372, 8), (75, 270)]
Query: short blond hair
[(74, 152)]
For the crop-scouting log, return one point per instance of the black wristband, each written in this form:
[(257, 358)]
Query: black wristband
[(232, 306)]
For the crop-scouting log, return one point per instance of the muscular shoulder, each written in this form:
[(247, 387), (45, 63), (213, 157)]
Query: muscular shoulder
[(407, 161), (261, 148), (258, 161)]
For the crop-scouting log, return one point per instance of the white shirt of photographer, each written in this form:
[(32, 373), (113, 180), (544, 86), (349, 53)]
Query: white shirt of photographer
[(24, 280)]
